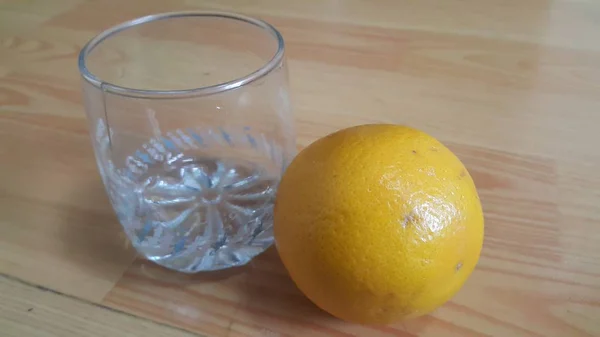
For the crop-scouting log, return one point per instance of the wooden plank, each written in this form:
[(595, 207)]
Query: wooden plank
[(29, 310), (57, 227)]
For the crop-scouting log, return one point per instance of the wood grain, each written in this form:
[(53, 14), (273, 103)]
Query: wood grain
[(57, 228), (29, 310), (512, 87)]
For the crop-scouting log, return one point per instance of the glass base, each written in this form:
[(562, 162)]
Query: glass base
[(212, 260), (198, 214)]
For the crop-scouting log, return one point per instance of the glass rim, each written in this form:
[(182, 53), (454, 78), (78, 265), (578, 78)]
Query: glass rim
[(262, 71)]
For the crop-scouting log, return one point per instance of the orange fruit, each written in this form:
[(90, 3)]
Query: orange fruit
[(378, 223)]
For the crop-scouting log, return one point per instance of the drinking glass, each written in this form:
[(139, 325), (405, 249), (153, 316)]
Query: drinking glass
[(192, 129)]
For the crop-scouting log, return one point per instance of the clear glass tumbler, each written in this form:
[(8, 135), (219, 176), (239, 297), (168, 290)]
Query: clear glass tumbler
[(192, 129)]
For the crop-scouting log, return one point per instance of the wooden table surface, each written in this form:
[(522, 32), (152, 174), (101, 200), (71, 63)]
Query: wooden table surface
[(512, 86)]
